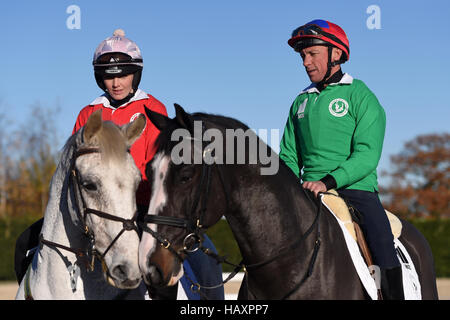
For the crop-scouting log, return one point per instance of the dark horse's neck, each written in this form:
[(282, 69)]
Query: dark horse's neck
[(269, 217), (270, 206), (265, 212), (268, 214)]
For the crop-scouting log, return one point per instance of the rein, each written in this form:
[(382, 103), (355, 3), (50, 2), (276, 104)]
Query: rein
[(196, 230)]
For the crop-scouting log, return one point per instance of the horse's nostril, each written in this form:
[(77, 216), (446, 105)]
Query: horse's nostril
[(154, 276), (120, 272)]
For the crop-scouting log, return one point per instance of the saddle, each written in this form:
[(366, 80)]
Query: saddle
[(347, 215)]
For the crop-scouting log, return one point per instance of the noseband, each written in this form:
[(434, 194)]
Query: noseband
[(90, 253)]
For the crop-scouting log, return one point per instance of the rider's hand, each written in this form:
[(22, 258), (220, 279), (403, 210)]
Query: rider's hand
[(315, 186)]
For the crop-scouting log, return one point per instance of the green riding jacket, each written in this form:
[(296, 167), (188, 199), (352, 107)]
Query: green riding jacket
[(338, 131)]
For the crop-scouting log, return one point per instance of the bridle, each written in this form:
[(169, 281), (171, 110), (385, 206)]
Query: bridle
[(195, 230), (194, 226), (89, 253)]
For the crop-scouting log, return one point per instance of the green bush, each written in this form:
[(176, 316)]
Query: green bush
[(10, 229), (437, 232), (223, 239)]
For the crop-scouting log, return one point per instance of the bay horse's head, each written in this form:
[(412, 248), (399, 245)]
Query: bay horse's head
[(104, 179), (188, 195)]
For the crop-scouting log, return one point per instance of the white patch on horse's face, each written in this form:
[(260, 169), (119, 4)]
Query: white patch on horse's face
[(158, 200), (174, 279)]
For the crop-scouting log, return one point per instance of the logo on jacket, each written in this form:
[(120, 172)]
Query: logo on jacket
[(134, 116), (301, 109), (338, 107)]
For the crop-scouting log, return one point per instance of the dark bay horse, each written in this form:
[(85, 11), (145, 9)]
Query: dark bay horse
[(292, 248)]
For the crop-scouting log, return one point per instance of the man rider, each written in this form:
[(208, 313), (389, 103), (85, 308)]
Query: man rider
[(333, 139)]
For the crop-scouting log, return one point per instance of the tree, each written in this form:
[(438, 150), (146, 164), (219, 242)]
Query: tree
[(420, 180), (3, 164), (28, 158), (39, 141)]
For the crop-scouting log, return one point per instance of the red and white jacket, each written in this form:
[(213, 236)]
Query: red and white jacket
[(144, 148)]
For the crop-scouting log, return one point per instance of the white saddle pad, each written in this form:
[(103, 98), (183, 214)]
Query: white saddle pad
[(411, 284)]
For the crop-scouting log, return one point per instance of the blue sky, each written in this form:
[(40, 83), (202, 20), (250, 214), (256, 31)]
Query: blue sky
[(228, 57)]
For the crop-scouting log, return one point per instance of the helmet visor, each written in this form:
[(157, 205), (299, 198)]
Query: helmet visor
[(109, 71), (116, 58), (315, 31), (307, 30)]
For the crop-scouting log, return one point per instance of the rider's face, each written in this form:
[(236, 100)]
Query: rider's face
[(315, 61), (119, 87)]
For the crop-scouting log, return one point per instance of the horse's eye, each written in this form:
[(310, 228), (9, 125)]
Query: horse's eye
[(185, 179), (89, 186), (186, 174)]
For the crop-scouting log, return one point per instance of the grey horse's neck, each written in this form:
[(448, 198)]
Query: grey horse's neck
[(57, 266)]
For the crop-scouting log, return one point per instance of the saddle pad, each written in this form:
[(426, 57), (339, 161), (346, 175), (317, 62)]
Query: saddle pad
[(339, 207), (411, 284)]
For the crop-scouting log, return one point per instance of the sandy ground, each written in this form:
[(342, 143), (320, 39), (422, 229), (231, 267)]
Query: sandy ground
[(8, 289)]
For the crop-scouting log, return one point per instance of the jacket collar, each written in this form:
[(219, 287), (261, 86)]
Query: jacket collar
[(346, 79), (139, 95)]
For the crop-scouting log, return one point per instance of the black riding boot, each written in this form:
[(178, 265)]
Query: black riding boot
[(392, 284), (28, 239)]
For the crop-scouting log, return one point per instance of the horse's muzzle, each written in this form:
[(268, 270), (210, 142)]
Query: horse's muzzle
[(163, 274), (154, 277), (122, 277)]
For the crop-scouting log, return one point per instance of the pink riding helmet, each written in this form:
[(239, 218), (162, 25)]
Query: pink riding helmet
[(117, 56), (118, 43)]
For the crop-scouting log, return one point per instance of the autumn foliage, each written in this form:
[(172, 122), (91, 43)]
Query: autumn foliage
[(419, 183), (420, 179), (28, 156)]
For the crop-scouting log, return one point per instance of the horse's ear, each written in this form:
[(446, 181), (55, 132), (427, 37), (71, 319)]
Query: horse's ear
[(134, 129), (159, 120), (93, 125), (183, 118)]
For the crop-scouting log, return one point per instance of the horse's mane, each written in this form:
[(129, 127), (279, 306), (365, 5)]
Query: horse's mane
[(211, 121), (219, 120), (110, 140)]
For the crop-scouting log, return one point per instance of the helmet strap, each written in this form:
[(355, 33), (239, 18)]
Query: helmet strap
[(117, 103), (325, 80), (136, 80)]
